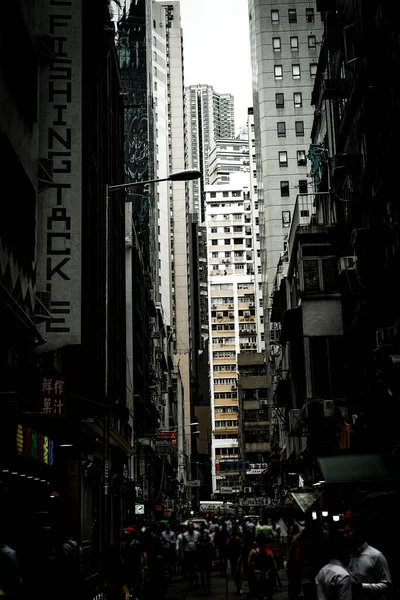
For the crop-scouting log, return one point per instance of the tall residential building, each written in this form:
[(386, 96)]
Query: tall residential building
[(209, 116), (233, 312), (228, 156), (285, 41)]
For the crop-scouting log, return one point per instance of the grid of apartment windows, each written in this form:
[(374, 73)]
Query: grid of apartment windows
[(289, 17)]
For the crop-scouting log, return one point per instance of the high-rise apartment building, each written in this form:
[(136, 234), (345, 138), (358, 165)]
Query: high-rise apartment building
[(285, 41), (209, 116), (234, 300), (228, 156)]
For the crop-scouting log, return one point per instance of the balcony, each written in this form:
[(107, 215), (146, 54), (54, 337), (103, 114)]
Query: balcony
[(312, 213)]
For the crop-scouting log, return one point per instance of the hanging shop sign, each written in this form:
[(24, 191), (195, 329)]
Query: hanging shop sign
[(166, 442), (34, 445), (53, 396)]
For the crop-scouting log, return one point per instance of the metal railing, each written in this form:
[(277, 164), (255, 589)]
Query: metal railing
[(312, 210)]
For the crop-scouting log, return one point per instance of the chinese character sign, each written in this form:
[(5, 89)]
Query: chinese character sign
[(53, 396)]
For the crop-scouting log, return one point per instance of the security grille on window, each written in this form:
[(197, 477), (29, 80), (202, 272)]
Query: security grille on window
[(276, 44), (296, 71), (275, 16), (301, 158), (292, 14), (283, 159), (312, 41), (281, 128), (310, 15), (299, 127), (279, 100), (294, 43), (313, 69), (297, 99), (284, 189), (278, 72), (286, 218)]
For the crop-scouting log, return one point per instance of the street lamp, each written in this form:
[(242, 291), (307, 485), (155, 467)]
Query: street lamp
[(186, 175)]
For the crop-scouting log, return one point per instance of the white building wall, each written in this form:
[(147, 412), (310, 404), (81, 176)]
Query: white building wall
[(161, 158), (265, 87), (226, 209)]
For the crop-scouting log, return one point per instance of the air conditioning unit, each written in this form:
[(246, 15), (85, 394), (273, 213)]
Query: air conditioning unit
[(347, 263), (385, 336), (294, 418), (247, 490)]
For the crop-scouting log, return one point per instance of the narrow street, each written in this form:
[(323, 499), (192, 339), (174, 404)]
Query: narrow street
[(221, 589)]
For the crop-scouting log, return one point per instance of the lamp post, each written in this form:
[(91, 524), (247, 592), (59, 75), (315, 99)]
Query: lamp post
[(186, 175)]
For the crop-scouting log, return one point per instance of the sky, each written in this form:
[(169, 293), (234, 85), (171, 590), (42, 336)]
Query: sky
[(217, 49)]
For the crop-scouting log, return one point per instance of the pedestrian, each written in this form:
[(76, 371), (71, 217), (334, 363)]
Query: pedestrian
[(133, 561), (234, 549), (69, 567), (333, 581), (10, 578), (368, 567), (262, 571), (190, 539), (168, 541), (205, 555)]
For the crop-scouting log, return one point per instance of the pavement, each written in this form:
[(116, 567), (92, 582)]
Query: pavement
[(222, 588)]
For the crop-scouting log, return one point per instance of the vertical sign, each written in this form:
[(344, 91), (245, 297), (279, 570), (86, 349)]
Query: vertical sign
[(60, 205), (53, 396)]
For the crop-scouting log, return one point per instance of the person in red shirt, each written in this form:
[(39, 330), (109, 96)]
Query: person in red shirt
[(262, 570)]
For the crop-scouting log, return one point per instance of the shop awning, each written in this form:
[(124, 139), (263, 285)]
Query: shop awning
[(359, 468), (305, 500)]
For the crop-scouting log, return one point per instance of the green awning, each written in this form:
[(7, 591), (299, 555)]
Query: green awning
[(359, 468)]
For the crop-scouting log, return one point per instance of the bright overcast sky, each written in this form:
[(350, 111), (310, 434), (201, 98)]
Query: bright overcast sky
[(217, 49)]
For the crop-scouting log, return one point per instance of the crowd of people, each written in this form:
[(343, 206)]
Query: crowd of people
[(334, 563)]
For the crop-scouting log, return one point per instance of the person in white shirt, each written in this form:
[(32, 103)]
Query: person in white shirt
[(368, 567), (333, 581)]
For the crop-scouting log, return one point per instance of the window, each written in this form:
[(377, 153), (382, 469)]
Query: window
[(313, 69), (320, 274), (214, 254), (214, 242), (294, 43), (275, 16), (301, 158), (214, 229), (281, 128), (312, 41), (296, 71), (310, 15), (278, 72), (286, 218), (213, 194), (227, 242), (283, 159), (155, 71), (276, 44), (303, 186), (299, 127), (297, 99), (327, 359), (225, 194), (279, 100), (292, 14), (215, 267), (284, 189)]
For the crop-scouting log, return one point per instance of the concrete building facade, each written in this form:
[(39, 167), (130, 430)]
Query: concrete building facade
[(285, 40), (209, 116), (233, 315)]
